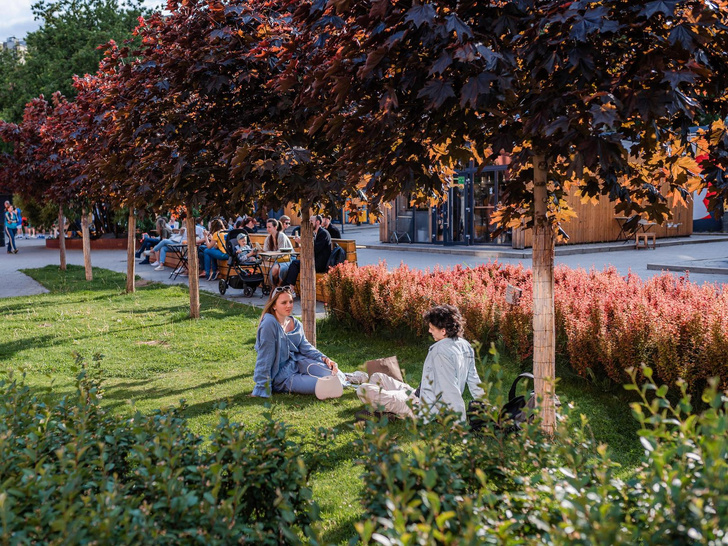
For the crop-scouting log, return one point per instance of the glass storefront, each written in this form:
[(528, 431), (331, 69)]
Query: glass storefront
[(464, 218)]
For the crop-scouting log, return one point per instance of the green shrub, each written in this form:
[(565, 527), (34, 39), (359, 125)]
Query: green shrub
[(73, 473), (454, 487)]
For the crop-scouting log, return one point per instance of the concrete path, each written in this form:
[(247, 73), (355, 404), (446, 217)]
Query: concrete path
[(706, 255)]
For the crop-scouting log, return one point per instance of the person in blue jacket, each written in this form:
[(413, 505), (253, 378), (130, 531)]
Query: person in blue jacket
[(286, 361)]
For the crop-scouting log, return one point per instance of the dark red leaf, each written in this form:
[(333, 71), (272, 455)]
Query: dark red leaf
[(437, 91), (441, 64), (421, 14), (666, 7)]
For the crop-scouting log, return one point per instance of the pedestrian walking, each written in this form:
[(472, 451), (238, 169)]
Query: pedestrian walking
[(11, 227)]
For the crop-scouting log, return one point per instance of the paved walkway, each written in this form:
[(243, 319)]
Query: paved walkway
[(705, 256)]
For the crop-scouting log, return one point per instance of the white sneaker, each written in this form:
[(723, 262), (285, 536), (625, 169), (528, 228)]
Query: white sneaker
[(147, 252), (155, 264), (328, 387), (159, 268), (357, 378)]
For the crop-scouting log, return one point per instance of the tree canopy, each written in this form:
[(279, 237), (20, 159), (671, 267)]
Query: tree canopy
[(66, 44), (605, 90)]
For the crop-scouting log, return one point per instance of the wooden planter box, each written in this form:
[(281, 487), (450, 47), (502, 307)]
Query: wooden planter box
[(96, 244)]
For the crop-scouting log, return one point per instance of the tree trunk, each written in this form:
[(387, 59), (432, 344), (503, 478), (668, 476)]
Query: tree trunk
[(544, 340), (308, 277), (193, 266), (62, 238), (86, 242), (130, 250)]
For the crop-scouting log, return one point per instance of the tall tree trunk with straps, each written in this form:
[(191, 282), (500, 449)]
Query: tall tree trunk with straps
[(193, 266), (308, 277), (86, 242), (544, 349), (62, 237), (130, 250)]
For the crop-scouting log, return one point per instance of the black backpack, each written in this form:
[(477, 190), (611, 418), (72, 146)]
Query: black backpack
[(338, 256), (512, 415)]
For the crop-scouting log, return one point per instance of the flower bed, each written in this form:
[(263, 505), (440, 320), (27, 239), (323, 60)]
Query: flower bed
[(605, 323)]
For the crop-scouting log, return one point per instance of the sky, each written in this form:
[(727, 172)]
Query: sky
[(17, 17)]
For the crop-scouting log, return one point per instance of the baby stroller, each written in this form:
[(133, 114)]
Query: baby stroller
[(242, 275)]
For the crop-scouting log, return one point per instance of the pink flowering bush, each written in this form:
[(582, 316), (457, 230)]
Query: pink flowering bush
[(605, 323)]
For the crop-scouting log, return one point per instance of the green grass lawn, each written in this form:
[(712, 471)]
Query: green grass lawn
[(154, 356)]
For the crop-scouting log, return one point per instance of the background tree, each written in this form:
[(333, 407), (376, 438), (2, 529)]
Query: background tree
[(67, 137), (26, 170), (173, 104), (66, 44), (200, 123), (275, 154), (86, 135), (587, 97)]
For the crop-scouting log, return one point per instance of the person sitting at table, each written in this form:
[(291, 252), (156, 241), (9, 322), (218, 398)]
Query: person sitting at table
[(285, 222), (250, 225), (176, 239), (277, 241), (286, 361), (214, 249), (331, 228), (163, 232), (321, 252)]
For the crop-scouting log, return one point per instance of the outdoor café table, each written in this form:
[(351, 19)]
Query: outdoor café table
[(181, 252), (643, 226), (269, 259)]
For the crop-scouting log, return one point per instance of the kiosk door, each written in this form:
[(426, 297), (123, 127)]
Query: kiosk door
[(456, 213)]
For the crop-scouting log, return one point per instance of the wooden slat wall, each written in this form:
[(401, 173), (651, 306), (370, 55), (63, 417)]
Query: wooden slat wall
[(596, 223)]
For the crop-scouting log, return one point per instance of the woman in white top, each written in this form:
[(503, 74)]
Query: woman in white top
[(277, 241), (448, 369)]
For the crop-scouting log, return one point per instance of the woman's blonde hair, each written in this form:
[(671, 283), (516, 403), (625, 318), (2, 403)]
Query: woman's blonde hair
[(274, 295)]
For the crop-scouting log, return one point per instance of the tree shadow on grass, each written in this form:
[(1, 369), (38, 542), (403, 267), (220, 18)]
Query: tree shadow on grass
[(117, 395), (9, 349)]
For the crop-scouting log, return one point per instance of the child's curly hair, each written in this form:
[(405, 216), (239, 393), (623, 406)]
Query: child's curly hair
[(446, 317)]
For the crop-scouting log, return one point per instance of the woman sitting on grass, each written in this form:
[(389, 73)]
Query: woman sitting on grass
[(286, 361), (448, 368)]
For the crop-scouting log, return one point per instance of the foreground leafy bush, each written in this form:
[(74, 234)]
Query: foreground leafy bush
[(73, 473), (606, 323), (454, 487)]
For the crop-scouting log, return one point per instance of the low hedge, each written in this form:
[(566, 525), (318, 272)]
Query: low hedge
[(606, 323), (72, 473), (454, 487)]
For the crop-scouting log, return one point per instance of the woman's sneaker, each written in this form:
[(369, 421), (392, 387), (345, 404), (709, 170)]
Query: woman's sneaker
[(357, 378), (159, 267), (155, 264)]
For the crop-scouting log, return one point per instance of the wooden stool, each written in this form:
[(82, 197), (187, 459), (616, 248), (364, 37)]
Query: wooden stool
[(642, 240)]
